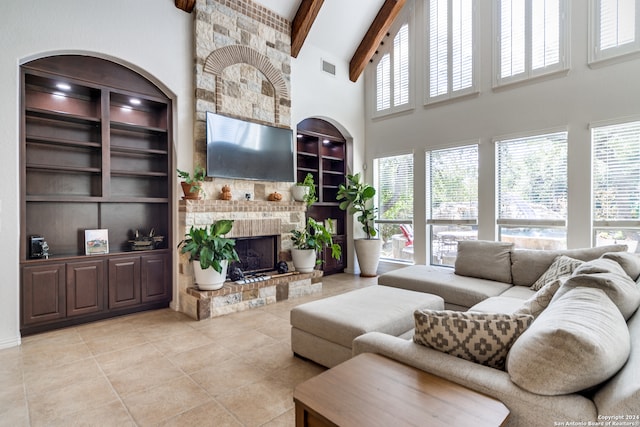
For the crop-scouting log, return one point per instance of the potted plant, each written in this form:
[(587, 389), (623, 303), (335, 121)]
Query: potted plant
[(213, 252), (307, 242), (305, 191), (356, 198), (192, 185)]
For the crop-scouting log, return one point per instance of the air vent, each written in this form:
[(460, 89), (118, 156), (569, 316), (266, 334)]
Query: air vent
[(328, 67)]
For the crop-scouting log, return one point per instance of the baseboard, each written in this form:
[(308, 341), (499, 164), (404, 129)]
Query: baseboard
[(12, 342)]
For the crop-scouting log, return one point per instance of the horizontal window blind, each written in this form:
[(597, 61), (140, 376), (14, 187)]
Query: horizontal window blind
[(545, 33), (616, 174), (453, 184), (512, 37), (617, 23), (383, 83), (532, 179), (394, 184), (401, 66)]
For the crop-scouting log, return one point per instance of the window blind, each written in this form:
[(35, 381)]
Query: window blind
[(616, 174), (512, 37), (401, 66), (545, 33), (617, 23), (394, 184), (453, 183), (383, 83), (532, 180)]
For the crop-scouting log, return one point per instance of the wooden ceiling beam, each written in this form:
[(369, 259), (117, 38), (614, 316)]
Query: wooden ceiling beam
[(302, 23), (186, 5), (370, 42)]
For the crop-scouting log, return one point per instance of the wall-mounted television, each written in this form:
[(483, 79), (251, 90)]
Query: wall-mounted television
[(245, 150)]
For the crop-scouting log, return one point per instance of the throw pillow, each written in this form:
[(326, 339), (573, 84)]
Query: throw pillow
[(629, 262), (538, 302), (607, 275), (561, 266), (579, 341), (484, 259), (482, 338)]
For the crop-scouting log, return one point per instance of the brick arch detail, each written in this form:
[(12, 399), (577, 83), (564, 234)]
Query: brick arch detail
[(226, 56)]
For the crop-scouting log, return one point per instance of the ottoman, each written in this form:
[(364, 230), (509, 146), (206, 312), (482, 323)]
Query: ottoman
[(323, 330)]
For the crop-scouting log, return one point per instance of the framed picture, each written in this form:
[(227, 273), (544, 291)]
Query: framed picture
[(96, 242)]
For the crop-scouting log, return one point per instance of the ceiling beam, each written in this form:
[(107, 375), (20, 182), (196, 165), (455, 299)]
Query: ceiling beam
[(186, 5), (302, 23), (370, 42)]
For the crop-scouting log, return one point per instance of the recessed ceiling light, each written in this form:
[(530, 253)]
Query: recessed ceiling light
[(59, 94), (63, 86), (325, 141), (126, 108), (299, 136), (135, 101)]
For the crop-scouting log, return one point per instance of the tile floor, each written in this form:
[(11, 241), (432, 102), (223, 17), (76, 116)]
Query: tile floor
[(162, 368)]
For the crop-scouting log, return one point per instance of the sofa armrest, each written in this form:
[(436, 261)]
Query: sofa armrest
[(526, 408)]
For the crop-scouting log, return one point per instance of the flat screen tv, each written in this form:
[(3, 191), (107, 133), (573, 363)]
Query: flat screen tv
[(246, 150)]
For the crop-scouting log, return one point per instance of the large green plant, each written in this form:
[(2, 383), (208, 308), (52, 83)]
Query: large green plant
[(209, 246), (315, 236), (309, 198), (356, 197)]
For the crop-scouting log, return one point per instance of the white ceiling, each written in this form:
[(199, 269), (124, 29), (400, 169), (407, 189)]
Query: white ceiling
[(339, 26)]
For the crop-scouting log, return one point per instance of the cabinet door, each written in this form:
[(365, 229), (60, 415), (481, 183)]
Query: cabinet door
[(85, 287), (331, 265), (155, 277), (124, 282), (43, 293)]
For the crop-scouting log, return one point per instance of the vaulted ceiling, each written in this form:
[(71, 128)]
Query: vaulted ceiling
[(350, 30)]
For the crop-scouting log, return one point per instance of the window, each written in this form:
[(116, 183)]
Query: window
[(452, 198), (616, 184), (450, 57), (614, 29), (393, 179), (392, 83), (532, 191), (532, 38)]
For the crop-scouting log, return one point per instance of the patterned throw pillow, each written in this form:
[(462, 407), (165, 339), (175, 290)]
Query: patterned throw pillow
[(538, 302), (482, 338), (562, 265)]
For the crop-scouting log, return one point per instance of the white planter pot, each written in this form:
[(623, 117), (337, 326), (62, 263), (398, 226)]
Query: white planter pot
[(304, 260), (368, 253), (299, 192), (210, 279)]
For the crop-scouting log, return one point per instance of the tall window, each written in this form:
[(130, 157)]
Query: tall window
[(451, 70), (616, 184), (392, 92), (452, 197), (393, 179), (532, 191), (614, 29), (532, 39)]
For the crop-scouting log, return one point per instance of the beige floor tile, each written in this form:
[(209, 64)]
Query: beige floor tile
[(180, 343), (211, 413), (247, 341), (220, 377), (288, 419), (270, 358), (122, 359), (15, 414), (114, 341), (299, 371), (69, 399), (156, 405), (113, 414), (51, 380), (144, 375), (277, 328), (201, 357), (44, 357), (258, 403)]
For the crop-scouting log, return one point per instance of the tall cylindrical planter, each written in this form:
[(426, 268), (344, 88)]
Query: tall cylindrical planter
[(304, 260), (209, 279), (368, 253)]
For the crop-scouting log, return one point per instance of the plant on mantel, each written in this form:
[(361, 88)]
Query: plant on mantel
[(192, 184)]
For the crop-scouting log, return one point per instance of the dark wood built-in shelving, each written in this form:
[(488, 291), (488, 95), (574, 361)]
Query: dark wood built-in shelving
[(92, 158)]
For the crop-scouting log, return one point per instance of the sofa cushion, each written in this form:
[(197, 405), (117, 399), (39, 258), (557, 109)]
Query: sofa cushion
[(484, 259), (561, 266), (456, 290), (500, 304), (630, 263), (483, 338), (580, 340), (528, 264), (609, 276), (541, 299)]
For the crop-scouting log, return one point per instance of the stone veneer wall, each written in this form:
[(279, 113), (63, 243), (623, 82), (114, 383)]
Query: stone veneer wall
[(249, 79)]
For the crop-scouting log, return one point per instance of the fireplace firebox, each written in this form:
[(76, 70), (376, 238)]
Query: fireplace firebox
[(257, 254)]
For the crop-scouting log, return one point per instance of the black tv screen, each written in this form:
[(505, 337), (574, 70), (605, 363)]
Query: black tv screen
[(246, 150)]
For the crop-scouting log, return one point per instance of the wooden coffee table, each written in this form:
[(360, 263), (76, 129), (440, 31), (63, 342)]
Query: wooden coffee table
[(372, 390)]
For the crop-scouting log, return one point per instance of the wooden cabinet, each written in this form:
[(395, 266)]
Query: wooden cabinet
[(322, 151), (96, 153)]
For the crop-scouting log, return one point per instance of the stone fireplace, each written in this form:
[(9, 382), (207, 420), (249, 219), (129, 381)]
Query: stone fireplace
[(261, 221)]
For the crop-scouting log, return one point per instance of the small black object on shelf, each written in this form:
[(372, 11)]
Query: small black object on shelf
[(282, 267)]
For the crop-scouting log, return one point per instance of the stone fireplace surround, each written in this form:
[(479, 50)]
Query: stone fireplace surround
[(251, 219)]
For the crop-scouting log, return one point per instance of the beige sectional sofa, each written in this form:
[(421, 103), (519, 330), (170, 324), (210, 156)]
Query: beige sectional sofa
[(577, 356)]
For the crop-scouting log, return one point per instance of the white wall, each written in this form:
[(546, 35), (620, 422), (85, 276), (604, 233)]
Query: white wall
[(571, 101), (336, 99), (151, 36)]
